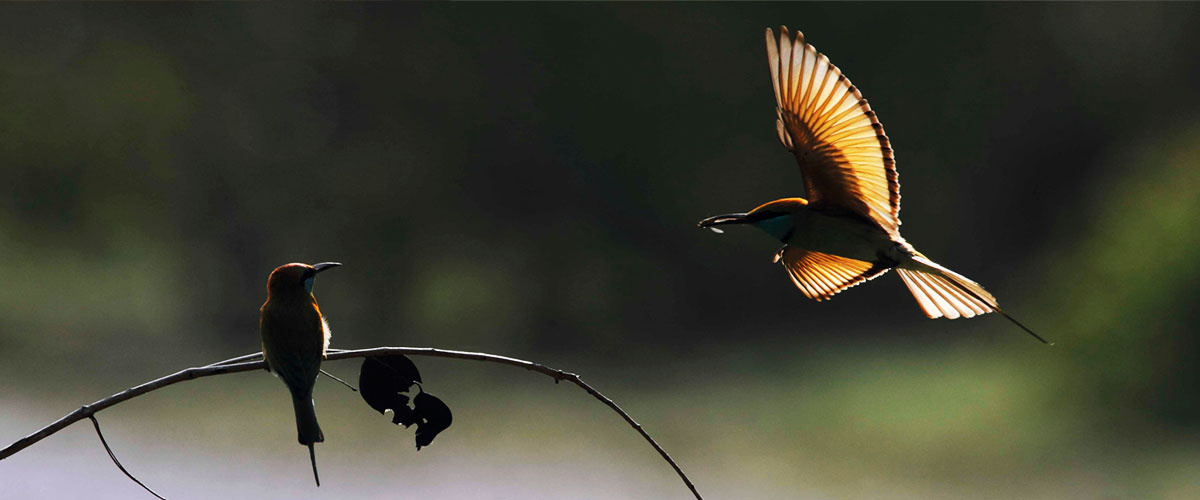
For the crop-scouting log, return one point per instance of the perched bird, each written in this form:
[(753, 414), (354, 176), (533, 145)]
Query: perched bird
[(848, 230), (294, 338)]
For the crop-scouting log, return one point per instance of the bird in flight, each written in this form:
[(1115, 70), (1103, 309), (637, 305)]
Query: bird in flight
[(848, 230)]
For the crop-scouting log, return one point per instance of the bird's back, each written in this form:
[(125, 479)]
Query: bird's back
[(294, 338)]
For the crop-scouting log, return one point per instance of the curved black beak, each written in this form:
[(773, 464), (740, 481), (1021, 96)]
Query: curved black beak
[(718, 220), (325, 265)]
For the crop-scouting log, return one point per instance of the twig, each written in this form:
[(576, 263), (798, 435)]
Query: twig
[(118, 462), (245, 357), (338, 380), (554, 373), (238, 364), (132, 392)]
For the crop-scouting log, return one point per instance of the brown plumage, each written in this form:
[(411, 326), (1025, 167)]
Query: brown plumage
[(848, 230), (294, 338)]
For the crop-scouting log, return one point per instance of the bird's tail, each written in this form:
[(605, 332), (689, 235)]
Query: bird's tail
[(307, 429), (944, 293)]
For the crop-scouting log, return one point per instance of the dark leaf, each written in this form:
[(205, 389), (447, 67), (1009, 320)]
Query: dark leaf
[(402, 414), (433, 416), (381, 381)]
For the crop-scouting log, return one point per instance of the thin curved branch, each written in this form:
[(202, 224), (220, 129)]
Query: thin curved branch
[(244, 357), (238, 364), (132, 392), (113, 456), (528, 365), (338, 380)]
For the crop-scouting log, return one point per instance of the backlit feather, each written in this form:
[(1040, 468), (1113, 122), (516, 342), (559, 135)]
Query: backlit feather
[(819, 276), (822, 118)]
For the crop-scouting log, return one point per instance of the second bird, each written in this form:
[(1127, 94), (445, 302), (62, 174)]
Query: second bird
[(294, 338), (848, 230)]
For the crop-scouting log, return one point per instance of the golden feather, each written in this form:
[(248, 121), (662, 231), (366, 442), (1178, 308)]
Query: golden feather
[(844, 155)]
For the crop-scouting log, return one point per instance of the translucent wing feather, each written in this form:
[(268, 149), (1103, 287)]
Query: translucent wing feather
[(819, 276), (822, 118)]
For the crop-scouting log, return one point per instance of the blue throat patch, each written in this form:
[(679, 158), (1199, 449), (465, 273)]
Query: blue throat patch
[(308, 283), (777, 227)]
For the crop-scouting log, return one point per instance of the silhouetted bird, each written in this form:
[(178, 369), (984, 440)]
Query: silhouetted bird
[(847, 231), (294, 338)]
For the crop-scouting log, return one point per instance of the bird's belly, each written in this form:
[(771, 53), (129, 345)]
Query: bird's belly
[(840, 235)]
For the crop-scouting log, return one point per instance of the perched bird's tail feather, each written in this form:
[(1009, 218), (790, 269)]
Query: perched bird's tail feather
[(312, 455), (944, 293), (308, 432)]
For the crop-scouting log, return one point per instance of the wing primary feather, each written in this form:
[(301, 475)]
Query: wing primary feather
[(820, 276), (773, 62), (823, 109), (835, 121), (827, 69), (843, 151), (826, 121), (801, 68), (820, 268), (781, 131), (785, 62), (808, 78), (871, 128), (814, 95), (820, 283), (808, 288)]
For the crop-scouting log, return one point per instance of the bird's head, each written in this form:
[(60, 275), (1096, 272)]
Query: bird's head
[(296, 277), (774, 217)]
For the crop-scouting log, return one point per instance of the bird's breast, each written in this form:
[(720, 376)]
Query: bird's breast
[(780, 228)]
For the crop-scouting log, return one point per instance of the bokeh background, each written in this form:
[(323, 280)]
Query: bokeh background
[(525, 180)]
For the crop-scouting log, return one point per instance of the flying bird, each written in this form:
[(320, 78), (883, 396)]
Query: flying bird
[(294, 339), (848, 229)]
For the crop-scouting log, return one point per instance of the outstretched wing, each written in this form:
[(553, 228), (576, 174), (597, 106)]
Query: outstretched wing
[(843, 153), (819, 276)]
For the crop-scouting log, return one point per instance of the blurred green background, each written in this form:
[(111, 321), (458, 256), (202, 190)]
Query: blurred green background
[(526, 179)]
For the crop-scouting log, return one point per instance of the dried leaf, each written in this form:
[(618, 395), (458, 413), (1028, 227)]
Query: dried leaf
[(382, 379), (433, 416)]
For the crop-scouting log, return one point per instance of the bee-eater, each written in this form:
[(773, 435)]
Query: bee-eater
[(294, 338), (848, 230)]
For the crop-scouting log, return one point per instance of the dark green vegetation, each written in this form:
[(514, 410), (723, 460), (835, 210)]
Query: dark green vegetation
[(525, 180)]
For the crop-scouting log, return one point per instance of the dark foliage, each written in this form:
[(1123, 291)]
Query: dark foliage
[(384, 381)]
